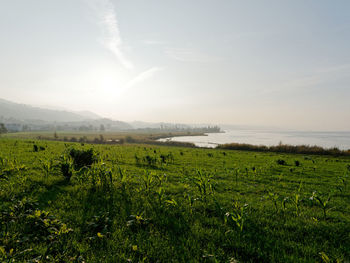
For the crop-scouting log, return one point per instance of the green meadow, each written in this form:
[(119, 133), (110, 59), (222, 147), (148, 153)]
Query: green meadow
[(76, 202)]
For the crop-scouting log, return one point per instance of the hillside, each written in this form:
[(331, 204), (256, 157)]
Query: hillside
[(16, 116), (18, 111)]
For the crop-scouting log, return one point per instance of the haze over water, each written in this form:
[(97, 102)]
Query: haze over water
[(340, 140)]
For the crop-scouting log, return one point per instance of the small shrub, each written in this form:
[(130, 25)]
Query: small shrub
[(35, 148), (163, 158), (137, 159), (281, 162), (129, 139), (150, 161), (323, 201), (47, 166), (67, 167), (203, 182), (238, 216), (82, 158)]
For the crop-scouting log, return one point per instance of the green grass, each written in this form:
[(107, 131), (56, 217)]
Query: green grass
[(191, 205), (90, 136)]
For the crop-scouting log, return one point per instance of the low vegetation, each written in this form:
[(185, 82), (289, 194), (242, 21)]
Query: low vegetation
[(135, 136), (77, 202), (3, 129), (285, 148)]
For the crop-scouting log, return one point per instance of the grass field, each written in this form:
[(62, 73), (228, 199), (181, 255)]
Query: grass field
[(62, 202), (134, 135)]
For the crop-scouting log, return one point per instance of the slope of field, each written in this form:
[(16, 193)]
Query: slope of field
[(141, 203)]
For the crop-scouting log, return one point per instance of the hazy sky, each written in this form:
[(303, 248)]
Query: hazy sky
[(271, 62)]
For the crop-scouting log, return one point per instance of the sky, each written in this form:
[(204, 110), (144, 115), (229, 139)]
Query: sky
[(271, 63)]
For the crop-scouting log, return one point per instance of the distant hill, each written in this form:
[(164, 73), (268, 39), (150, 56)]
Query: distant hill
[(22, 112), (108, 124), (18, 117), (89, 115), (22, 117)]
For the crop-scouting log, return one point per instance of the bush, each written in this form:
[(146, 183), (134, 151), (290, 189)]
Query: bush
[(82, 158), (284, 148), (281, 162), (67, 167), (35, 148), (2, 128), (129, 139)]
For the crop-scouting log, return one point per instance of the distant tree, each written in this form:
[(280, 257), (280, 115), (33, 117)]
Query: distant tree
[(55, 135), (102, 127), (83, 139), (2, 128), (129, 139), (82, 128), (86, 128), (25, 127)]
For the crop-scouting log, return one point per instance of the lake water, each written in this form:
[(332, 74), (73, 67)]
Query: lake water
[(340, 140)]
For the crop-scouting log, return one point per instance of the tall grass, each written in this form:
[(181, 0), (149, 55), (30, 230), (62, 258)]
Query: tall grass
[(286, 148)]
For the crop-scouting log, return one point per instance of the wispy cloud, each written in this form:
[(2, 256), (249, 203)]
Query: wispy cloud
[(143, 76), (112, 39), (189, 55)]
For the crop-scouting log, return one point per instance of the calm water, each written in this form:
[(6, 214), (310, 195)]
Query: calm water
[(266, 137)]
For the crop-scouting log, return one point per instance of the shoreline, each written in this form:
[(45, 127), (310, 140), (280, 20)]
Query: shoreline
[(278, 148), (155, 139)]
